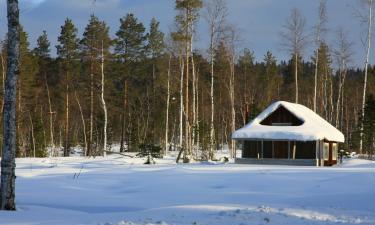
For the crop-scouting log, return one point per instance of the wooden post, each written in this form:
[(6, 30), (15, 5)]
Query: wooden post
[(316, 152)]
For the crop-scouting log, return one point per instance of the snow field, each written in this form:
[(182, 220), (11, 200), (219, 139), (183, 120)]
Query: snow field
[(120, 190)]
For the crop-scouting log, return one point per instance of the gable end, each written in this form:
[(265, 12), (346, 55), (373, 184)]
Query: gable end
[(281, 117)]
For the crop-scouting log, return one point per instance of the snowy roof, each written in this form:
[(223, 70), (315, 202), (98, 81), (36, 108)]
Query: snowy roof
[(313, 127)]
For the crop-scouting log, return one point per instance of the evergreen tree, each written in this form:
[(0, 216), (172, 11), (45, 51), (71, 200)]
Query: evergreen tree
[(369, 125), (42, 95), (272, 80), (129, 49), (26, 98), (67, 51), (155, 49), (130, 41), (95, 37)]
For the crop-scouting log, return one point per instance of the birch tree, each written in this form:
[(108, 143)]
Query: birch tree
[(103, 100), (188, 15), (215, 16), (343, 54), (294, 41), (366, 19), (320, 29), (168, 104), (231, 45), (8, 164)]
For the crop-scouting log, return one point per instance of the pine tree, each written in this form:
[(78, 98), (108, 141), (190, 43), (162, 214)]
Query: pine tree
[(42, 53), (272, 80), (26, 97), (95, 36), (129, 49), (42, 95), (155, 48), (67, 51)]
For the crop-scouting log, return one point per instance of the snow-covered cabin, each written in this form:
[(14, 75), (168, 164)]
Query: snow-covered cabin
[(289, 134)]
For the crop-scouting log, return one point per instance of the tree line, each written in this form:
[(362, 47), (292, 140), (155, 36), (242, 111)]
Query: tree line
[(143, 86)]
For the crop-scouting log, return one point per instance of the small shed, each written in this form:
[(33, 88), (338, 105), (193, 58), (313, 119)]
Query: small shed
[(288, 134)]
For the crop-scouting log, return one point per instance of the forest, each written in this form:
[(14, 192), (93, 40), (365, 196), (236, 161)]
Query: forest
[(145, 87)]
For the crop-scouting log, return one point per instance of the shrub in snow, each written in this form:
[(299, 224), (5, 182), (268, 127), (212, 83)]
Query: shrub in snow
[(149, 150)]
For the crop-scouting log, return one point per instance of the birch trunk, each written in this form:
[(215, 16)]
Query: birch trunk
[(83, 123), (8, 165), (50, 116), (122, 147), (316, 75), (90, 145), (194, 122), (212, 129), (296, 74), (187, 122), (104, 105), (181, 101), (167, 110), (320, 28), (66, 148), (369, 35)]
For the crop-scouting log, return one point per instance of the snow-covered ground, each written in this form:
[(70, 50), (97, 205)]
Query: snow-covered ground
[(120, 190)]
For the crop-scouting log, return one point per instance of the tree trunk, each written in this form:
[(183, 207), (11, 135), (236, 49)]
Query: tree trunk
[(8, 165), (296, 74), (233, 113), (104, 105), (369, 35), (187, 115), (3, 78), (181, 102), (194, 119), (122, 146), (83, 124), (50, 117), (167, 110), (89, 149), (316, 77), (67, 146), (212, 130), (32, 134)]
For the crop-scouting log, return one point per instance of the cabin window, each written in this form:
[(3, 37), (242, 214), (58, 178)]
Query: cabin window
[(334, 151), (326, 151)]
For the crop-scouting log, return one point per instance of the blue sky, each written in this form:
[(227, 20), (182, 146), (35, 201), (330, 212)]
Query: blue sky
[(259, 21)]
